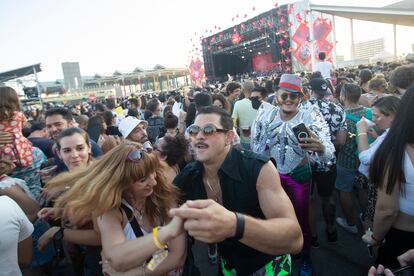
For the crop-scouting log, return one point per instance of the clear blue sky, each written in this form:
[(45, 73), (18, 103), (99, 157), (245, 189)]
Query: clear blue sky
[(108, 35)]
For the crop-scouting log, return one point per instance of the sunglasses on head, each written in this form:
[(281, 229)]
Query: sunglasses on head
[(207, 130), (137, 154), (292, 96)]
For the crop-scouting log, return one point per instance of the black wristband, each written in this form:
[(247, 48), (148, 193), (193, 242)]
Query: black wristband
[(239, 226)]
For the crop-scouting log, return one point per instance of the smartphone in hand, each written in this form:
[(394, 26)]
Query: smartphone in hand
[(301, 131)]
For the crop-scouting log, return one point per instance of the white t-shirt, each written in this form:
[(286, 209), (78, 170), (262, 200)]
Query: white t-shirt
[(14, 228), (246, 114), (325, 68), (366, 156), (118, 118)]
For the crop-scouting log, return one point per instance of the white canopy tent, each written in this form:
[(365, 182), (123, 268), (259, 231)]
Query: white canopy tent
[(399, 13)]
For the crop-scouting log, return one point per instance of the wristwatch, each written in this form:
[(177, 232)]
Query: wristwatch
[(58, 236)]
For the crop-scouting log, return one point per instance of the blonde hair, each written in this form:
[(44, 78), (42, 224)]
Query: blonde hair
[(378, 83), (100, 186)]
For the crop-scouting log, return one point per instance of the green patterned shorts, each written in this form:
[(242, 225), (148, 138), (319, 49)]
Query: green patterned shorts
[(280, 266)]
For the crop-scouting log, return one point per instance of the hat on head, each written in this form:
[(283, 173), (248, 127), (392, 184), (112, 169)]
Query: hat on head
[(319, 85), (128, 124), (290, 83)]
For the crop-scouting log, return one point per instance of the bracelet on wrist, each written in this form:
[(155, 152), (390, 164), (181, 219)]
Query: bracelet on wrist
[(362, 134), (240, 225), (155, 239)]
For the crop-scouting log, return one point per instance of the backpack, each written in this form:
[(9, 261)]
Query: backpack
[(155, 128), (368, 115)]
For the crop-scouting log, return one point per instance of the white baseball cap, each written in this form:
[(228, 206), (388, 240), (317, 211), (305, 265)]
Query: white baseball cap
[(128, 124)]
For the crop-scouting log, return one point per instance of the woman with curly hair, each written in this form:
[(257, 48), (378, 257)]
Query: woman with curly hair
[(174, 150), (221, 101)]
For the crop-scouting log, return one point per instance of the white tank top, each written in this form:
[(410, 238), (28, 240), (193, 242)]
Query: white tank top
[(128, 231), (407, 201)]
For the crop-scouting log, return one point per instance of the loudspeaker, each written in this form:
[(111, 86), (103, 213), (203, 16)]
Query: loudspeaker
[(275, 50)]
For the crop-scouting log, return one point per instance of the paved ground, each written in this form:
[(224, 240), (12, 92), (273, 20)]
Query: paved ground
[(349, 256)]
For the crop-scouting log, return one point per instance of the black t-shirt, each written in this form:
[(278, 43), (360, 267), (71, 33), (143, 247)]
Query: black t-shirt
[(155, 128), (113, 130), (44, 144)]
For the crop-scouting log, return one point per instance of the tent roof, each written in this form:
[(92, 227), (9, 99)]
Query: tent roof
[(20, 72), (400, 13)]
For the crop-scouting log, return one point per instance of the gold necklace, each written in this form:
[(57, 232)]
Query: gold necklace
[(215, 195), (209, 185), (138, 214)]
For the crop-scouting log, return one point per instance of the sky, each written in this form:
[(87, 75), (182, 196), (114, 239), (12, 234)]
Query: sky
[(108, 35)]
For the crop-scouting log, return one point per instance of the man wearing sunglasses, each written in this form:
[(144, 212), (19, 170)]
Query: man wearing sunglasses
[(273, 135), (235, 199)]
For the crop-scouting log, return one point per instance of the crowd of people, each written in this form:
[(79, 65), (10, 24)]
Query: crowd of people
[(124, 186)]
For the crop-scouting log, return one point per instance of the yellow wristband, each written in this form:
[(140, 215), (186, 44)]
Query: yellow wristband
[(156, 240), (362, 134)]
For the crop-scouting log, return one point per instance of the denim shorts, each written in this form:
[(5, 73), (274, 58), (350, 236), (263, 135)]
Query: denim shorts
[(345, 178)]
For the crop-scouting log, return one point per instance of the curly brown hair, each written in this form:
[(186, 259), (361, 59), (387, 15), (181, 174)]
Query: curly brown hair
[(223, 100)]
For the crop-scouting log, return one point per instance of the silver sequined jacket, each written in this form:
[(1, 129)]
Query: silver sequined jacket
[(273, 137)]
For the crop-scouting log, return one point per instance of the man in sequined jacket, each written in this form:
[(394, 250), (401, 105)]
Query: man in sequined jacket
[(273, 135)]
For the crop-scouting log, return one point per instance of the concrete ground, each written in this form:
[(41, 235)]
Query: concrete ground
[(349, 256)]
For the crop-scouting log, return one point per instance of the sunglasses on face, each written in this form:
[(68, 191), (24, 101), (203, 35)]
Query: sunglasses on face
[(207, 130), (137, 154), (292, 96)]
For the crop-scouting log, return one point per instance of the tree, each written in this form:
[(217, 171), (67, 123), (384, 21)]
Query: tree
[(159, 67), (97, 77), (138, 70), (117, 74)]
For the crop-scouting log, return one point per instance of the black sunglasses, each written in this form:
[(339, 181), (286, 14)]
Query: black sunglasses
[(292, 96), (207, 130), (137, 154)]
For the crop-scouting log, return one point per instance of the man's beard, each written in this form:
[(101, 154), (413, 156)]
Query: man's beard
[(144, 139)]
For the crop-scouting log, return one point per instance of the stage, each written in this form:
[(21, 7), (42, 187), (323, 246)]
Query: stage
[(259, 44)]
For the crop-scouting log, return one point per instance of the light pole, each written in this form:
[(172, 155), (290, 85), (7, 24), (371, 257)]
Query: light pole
[(38, 86)]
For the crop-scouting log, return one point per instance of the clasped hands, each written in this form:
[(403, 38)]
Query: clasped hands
[(206, 220)]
